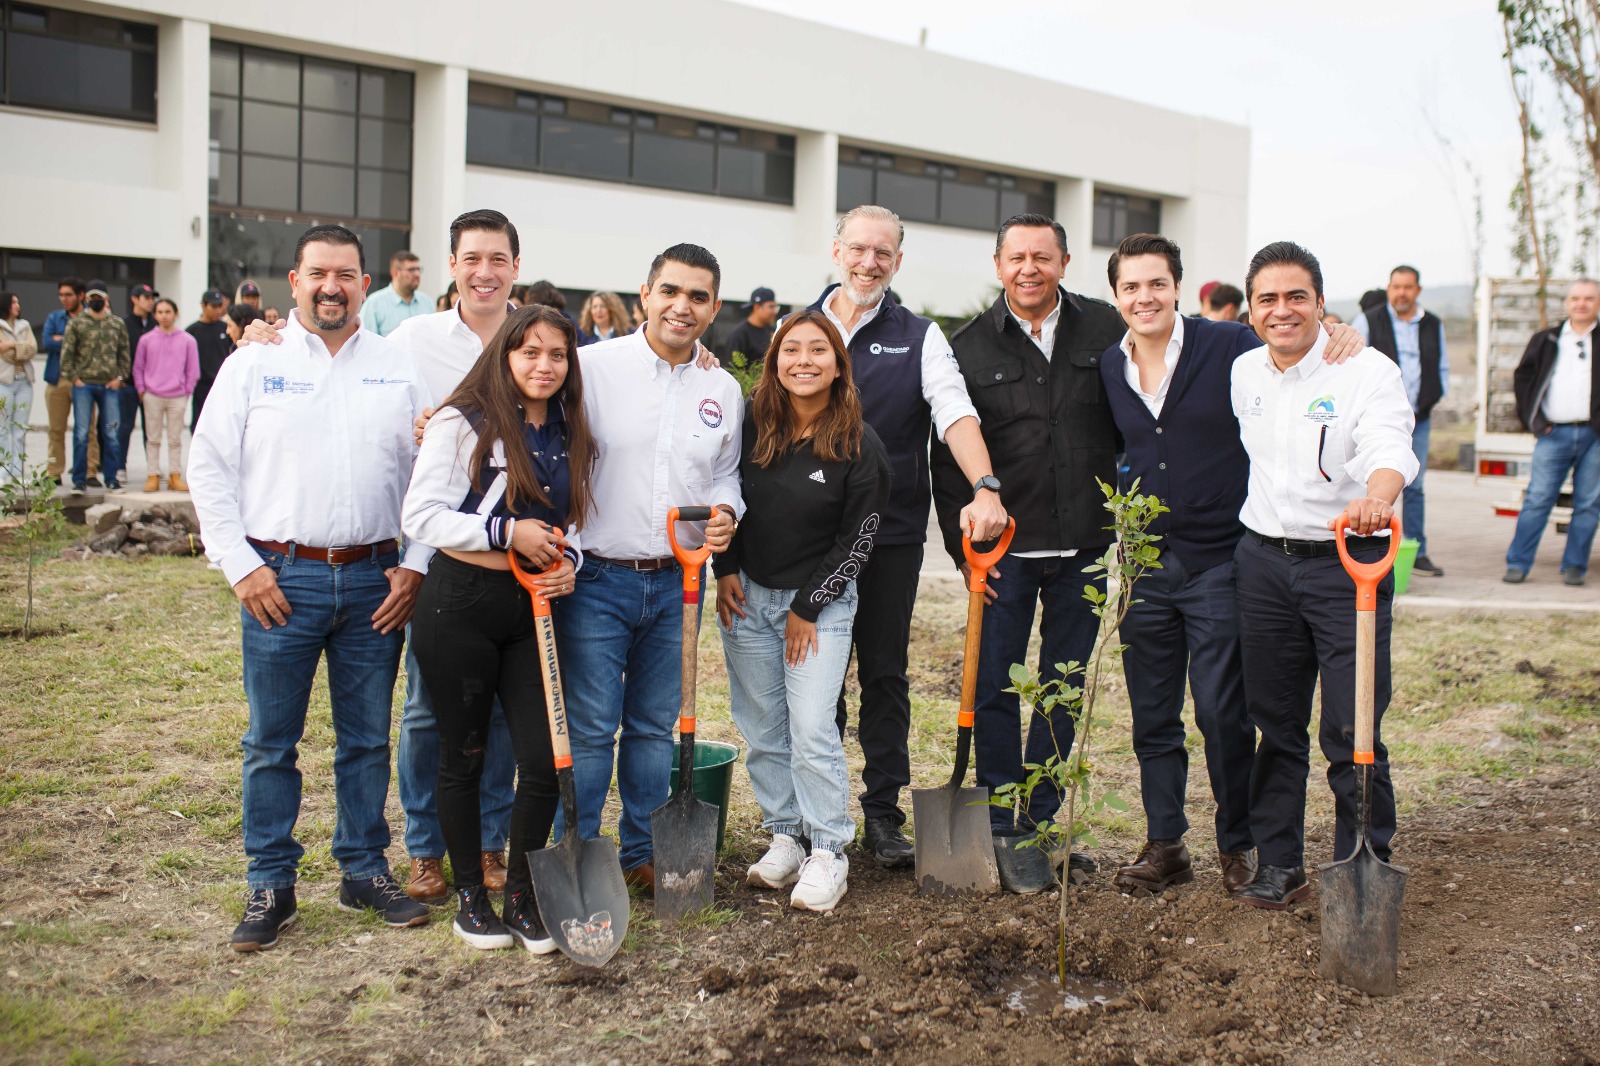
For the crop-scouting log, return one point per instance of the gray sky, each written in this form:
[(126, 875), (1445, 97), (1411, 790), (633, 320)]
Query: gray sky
[(1339, 98)]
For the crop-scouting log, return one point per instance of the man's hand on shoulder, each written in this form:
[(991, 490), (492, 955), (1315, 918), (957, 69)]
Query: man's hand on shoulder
[(259, 332), (420, 424), (1344, 341)]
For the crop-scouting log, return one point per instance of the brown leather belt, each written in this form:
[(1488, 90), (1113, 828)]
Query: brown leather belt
[(332, 556), (643, 566)]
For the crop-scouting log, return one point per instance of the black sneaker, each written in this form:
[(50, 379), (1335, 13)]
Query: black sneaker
[(77, 488), (381, 894), (885, 842), (94, 483), (267, 912), (113, 485), (1425, 565), (476, 923), (522, 918)]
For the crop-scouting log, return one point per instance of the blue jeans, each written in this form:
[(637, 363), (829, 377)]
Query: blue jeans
[(128, 401), (1564, 448), (84, 400), (332, 612), (1413, 505), (417, 770), (16, 398), (620, 639), (1068, 631), (786, 715)]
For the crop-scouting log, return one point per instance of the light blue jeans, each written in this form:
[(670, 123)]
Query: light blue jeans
[(15, 398), (1413, 503), (1564, 448), (787, 715)]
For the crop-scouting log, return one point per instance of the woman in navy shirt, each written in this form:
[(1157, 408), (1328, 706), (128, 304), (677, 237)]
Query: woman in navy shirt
[(815, 478), (504, 464)]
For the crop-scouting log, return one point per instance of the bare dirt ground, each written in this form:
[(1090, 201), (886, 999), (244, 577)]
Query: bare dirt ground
[(120, 879)]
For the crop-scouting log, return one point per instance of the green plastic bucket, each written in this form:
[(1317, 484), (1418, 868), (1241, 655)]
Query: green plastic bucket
[(1402, 564), (713, 776)]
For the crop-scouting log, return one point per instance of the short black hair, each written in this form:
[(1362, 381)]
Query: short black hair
[(1404, 269), (1373, 298), (405, 255), (484, 219), (1030, 220), (243, 314), (329, 233), (1223, 295), (690, 255), (1146, 244), (75, 284), (1283, 253), (545, 292)]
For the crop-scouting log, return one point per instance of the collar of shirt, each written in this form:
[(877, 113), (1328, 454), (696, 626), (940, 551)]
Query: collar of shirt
[(1568, 338), (1417, 311), (313, 341), (1046, 340), (866, 316), (1154, 400), (443, 347)]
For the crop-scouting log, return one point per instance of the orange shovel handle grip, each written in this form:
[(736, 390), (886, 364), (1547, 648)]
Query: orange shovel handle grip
[(541, 603), (1366, 575), (978, 564), (691, 559)]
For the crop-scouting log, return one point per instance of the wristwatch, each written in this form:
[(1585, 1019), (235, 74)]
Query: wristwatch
[(987, 481)]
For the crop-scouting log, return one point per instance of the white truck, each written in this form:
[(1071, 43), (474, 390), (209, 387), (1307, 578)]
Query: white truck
[(1508, 315)]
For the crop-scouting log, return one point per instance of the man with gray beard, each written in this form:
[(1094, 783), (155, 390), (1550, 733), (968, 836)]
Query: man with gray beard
[(909, 383)]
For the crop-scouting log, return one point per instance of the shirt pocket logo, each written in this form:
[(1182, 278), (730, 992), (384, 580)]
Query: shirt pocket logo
[(711, 413)]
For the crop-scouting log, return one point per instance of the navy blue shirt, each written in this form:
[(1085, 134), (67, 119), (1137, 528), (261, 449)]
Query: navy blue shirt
[(547, 447)]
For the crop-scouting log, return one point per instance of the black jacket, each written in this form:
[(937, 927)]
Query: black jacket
[(1532, 378), (1047, 424)]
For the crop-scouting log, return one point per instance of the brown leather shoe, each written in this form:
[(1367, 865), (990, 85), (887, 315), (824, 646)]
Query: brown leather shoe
[(175, 483), (642, 876), (152, 483), (494, 871), (1238, 869), (1161, 863), (427, 884)]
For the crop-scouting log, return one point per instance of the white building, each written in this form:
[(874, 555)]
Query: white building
[(192, 142)]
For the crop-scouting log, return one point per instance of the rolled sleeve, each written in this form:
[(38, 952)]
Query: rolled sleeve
[(1382, 434), (943, 387)]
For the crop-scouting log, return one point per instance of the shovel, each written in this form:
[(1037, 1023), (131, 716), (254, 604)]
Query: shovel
[(578, 884), (954, 847), (1361, 894), (683, 830)]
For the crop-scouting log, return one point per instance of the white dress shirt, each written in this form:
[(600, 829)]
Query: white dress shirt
[(1046, 340), (669, 436), (1158, 399), (1316, 434), (443, 347), (1566, 397), (943, 387), (297, 445)]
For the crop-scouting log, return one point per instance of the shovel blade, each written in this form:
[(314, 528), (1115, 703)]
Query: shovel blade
[(1361, 898), (582, 898), (954, 847), (683, 834)]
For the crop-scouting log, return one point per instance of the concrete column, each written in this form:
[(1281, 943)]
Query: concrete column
[(439, 170), (1075, 212), (816, 209), (183, 129)]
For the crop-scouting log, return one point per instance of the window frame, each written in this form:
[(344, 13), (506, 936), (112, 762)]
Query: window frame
[(874, 162), (1121, 206), (10, 33)]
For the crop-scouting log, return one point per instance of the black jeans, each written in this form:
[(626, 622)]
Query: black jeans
[(1181, 623), (888, 593), (1297, 623), (474, 637)]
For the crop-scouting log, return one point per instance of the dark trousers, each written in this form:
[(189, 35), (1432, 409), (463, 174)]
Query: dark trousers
[(202, 389), (128, 401), (474, 637), (882, 638), (1297, 624), (1185, 622), (1067, 633)]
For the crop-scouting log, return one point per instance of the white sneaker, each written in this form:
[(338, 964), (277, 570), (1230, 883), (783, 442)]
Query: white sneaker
[(780, 866), (822, 882)]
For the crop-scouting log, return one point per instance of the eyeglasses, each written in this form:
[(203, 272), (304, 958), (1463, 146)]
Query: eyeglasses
[(1583, 349)]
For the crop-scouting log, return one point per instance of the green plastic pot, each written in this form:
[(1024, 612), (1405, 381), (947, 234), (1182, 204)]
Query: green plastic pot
[(1402, 568), (713, 777)]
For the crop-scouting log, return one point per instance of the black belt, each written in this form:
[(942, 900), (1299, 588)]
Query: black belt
[(1316, 549), (643, 566)]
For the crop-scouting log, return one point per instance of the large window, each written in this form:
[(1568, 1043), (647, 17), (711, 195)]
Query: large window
[(1118, 216), (293, 133), (533, 131), (67, 61), (919, 190), (34, 275)]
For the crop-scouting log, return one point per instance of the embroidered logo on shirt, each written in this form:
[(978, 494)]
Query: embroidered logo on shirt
[(1255, 408), (385, 381), (1321, 411), (272, 385), (711, 413), (879, 349), (818, 478)]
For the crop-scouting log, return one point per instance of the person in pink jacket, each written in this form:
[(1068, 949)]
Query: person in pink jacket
[(166, 367)]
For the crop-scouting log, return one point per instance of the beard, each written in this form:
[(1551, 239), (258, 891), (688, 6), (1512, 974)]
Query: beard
[(339, 306), (868, 298)]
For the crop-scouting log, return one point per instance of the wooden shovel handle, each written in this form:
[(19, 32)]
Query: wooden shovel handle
[(555, 704), (691, 560), (1367, 576)]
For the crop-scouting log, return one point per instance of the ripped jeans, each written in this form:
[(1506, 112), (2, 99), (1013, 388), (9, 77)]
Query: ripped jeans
[(474, 638)]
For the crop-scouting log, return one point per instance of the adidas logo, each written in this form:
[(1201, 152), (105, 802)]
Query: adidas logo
[(818, 478)]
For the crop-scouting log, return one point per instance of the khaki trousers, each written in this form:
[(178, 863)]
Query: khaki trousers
[(164, 415)]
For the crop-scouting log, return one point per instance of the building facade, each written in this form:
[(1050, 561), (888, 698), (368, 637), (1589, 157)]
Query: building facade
[(192, 143)]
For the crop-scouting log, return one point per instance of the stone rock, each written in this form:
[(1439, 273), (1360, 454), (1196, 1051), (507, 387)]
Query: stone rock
[(110, 540), (102, 516), (147, 531), (181, 545), (133, 549), (179, 514)]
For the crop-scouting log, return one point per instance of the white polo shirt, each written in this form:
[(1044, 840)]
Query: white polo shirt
[(1566, 397), (297, 445), (1315, 434), (443, 346), (668, 437)]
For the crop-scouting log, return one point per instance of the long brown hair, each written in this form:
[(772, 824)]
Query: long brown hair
[(489, 391), (620, 322), (836, 435)]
